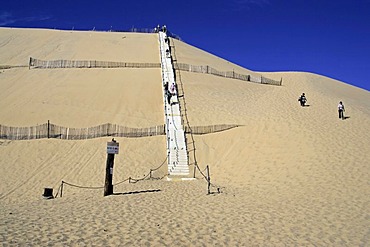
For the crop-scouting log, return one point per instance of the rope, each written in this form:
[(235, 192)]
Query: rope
[(56, 195), (212, 184), (121, 182), (133, 180), (84, 187), (184, 103), (160, 165), (205, 177)]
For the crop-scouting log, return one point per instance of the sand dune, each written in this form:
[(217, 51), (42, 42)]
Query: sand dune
[(288, 175)]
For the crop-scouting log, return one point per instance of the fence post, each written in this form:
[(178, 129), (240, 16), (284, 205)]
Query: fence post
[(61, 189), (195, 167), (208, 180), (112, 149), (108, 186), (48, 129)]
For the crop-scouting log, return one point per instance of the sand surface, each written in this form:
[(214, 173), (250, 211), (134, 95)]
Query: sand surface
[(288, 175)]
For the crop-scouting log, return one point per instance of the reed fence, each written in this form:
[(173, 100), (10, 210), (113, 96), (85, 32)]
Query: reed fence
[(53, 64), (49, 130), (5, 66), (205, 69), (12, 66), (202, 130)]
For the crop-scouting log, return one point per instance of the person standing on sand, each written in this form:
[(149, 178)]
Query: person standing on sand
[(302, 99), (341, 110)]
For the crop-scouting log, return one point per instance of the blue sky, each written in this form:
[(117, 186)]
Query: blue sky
[(330, 38)]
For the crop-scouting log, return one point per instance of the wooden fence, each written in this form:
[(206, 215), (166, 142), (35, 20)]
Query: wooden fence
[(49, 130), (202, 130), (227, 74), (54, 64)]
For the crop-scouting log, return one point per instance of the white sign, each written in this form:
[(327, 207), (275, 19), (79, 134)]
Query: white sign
[(112, 147)]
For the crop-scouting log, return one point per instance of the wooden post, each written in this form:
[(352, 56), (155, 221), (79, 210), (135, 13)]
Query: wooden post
[(208, 180), (195, 167), (61, 189), (112, 149), (108, 186), (48, 129)]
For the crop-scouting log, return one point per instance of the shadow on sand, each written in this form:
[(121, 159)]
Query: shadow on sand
[(346, 117), (135, 192)]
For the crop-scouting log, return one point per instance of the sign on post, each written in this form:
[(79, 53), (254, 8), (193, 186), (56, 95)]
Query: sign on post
[(112, 147)]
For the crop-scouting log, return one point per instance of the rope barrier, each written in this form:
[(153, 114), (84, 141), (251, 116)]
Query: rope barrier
[(130, 179), (177, 71), (149, 174), (121, 182), (160, 165), (207, 179), (56, 195), (83, 187)]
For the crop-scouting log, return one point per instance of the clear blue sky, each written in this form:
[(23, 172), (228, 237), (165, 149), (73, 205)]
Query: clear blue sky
[(330, 38)]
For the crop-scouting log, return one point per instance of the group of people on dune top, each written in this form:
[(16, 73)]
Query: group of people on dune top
[(302, 100), (159, 29)]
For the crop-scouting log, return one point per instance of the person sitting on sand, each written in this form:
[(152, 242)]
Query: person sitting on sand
[(341, 110), (302, 99)]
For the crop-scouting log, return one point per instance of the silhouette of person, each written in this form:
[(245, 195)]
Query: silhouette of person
[(341, 110), (173, 88), (169, 95), (302, 99)]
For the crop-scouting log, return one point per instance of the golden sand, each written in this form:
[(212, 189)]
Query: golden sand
[(288, 175)]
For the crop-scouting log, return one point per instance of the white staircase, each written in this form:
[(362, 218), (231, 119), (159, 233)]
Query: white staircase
[(176, 143)]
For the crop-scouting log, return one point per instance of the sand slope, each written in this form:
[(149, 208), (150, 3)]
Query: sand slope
[(289, 175)]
